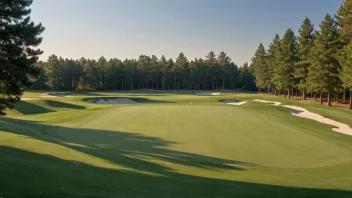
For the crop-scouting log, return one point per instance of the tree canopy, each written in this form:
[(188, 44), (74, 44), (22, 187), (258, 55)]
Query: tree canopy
[(18, 39)]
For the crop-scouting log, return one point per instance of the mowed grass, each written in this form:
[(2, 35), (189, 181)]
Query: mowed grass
[(173, 145)]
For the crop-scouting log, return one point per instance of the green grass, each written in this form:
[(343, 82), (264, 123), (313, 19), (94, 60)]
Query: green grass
[(172, 145)]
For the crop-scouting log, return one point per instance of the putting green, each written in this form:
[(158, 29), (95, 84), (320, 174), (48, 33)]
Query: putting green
[(232, 133), (172, 145)]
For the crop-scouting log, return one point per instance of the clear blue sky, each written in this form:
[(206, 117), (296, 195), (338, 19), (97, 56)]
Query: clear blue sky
[(129, 28)]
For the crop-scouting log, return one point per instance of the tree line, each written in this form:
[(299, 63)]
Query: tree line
[(214, 72), (315, 62)]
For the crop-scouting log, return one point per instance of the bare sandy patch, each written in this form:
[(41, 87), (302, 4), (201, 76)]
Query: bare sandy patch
[(209, 93), (304, 113), (54, 95), (268, 102), (26, 99), (112, 101), (233, 102)]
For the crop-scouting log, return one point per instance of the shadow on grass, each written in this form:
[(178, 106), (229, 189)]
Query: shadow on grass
[(53, 177), (140, 100), (58, 104), (29, 108)]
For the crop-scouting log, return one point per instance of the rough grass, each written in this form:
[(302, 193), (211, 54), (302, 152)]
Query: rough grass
[(173, 145)]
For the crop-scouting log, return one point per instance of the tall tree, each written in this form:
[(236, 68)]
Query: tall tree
[(102, 65), (181, 66), (305, 43), (344, 20), (224, 63), (246, 77), (345, 59), (18, 36), (53, 70), (260, 67), (286, 58), (212, 64), (323, 72), (272, 60)]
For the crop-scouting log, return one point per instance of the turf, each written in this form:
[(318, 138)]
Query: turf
[(172, 145)]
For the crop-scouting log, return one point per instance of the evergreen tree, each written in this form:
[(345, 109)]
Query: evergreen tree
[(345, 59), (260, 67), (224, 64), (212, 64), (102, 64), (323, 72), (246, 77), (272, 60), (18, 36), (53, 70), (286, 58), (181, 68), (305, 43), (344, 20)]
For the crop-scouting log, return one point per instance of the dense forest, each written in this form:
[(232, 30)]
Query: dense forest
[(315, 63), (214, 72)]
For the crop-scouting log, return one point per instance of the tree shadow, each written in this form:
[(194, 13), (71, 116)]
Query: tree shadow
[(138, 99), (28, 108), (54, 177), (146, 100), (58, 104)]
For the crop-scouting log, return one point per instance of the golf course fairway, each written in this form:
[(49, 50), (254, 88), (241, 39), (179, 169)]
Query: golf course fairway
[(171, 145)]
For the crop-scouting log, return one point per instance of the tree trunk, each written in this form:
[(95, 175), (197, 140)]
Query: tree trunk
[(289, 93), (321, 97), (337, 98), (350, 106), (103, 81), (344, 96), (329, 99), (315, 96), (304, 94)]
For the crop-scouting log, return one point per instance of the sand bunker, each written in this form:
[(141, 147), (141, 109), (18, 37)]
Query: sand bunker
[(233, 102), (112, 101), (268, 102), (26, 99), (209, 93), (54, 95), (304, 113)]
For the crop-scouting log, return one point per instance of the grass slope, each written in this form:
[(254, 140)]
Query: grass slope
[(173, 145)]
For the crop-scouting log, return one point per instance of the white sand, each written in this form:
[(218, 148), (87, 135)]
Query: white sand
[(268, 102), (209, 93), (304, 113), (26, 99), (54, 95), (233, 102), (115, 101)]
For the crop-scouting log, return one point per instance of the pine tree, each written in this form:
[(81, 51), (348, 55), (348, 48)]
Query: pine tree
[(53, 70), (344, 20), (224, 64), (286, 58), (272, 60), (102, 65), (345, 59), (18, 36), (212, 64), (259, 64), (323, 72), (305, 43), (181, 67)]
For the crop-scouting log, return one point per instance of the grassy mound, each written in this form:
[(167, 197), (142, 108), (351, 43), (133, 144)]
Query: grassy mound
[(175, 145)]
